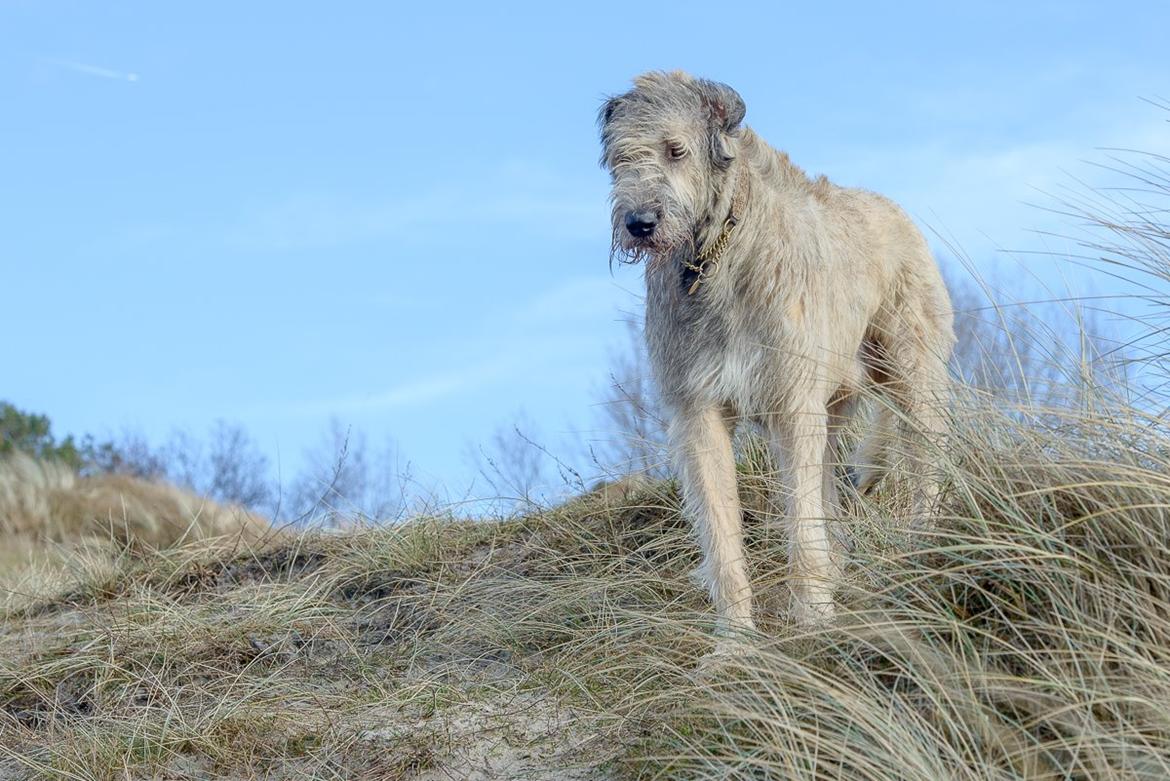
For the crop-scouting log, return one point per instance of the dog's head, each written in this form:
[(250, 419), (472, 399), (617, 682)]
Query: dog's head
[(668, 144)]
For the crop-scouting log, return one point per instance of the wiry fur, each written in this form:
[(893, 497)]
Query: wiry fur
[(823, 292)]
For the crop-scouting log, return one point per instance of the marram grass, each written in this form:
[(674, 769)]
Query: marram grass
[(1026, 636)]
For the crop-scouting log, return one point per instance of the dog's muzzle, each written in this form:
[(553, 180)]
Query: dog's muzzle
[(641, 224)]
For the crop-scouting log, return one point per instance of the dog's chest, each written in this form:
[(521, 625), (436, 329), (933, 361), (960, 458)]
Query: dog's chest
[(704, 346)]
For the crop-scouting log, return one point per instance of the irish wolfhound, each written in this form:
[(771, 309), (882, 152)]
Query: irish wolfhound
[(774, 298)]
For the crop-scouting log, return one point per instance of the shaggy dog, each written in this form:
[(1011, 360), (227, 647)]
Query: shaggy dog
[(777, 299)]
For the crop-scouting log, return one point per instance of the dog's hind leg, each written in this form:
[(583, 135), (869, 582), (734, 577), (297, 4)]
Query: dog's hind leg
[(871, 458), (706, 464), (841, 410), (800, 441), (919, 387)]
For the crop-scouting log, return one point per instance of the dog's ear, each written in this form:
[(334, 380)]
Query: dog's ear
[(726, 110), (725, 105), (604, 117), (608, 109)]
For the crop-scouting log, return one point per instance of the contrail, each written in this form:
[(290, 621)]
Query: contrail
[(93, 70)]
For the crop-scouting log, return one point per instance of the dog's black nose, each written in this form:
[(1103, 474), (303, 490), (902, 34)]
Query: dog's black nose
[(641, 224)]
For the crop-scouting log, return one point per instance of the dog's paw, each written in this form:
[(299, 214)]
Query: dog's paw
[(813, 612), (720, 659), (729, 648)]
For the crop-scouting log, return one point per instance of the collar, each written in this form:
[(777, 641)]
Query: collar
[(706, 262)]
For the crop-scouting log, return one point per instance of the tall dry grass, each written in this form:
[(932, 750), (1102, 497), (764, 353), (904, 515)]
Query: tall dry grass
[(1025, 636), (53, 520), (50, 501)]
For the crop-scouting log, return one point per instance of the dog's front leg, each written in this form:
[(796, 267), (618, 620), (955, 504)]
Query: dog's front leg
[(799, 441), (701, 439)]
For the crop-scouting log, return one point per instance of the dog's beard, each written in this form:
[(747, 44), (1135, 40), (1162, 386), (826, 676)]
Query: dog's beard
[(655, 251), (630, 251)]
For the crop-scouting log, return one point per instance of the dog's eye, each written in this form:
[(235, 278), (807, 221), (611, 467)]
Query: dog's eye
[(676, 151)]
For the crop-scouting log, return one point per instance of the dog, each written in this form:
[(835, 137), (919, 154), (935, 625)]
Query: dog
[(774, 298)]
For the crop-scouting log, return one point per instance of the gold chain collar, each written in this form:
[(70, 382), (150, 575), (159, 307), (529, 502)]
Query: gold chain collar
[(706, 263)]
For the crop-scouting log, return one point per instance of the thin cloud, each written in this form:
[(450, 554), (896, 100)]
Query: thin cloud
[(405, 395), (94, 70), (593, 299), (409, 394), (537, 203)]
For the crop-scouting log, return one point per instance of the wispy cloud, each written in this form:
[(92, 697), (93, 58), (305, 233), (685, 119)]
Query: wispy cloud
[(537, 203), (407, 394), (559, 331), (96, 71), (579, 301), (998, 194)]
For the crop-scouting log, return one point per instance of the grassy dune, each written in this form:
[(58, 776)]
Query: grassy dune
[(53, 521), (149, 634), (1028, 636)]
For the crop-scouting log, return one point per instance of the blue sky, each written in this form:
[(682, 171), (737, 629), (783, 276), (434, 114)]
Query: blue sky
[(283, 213)]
